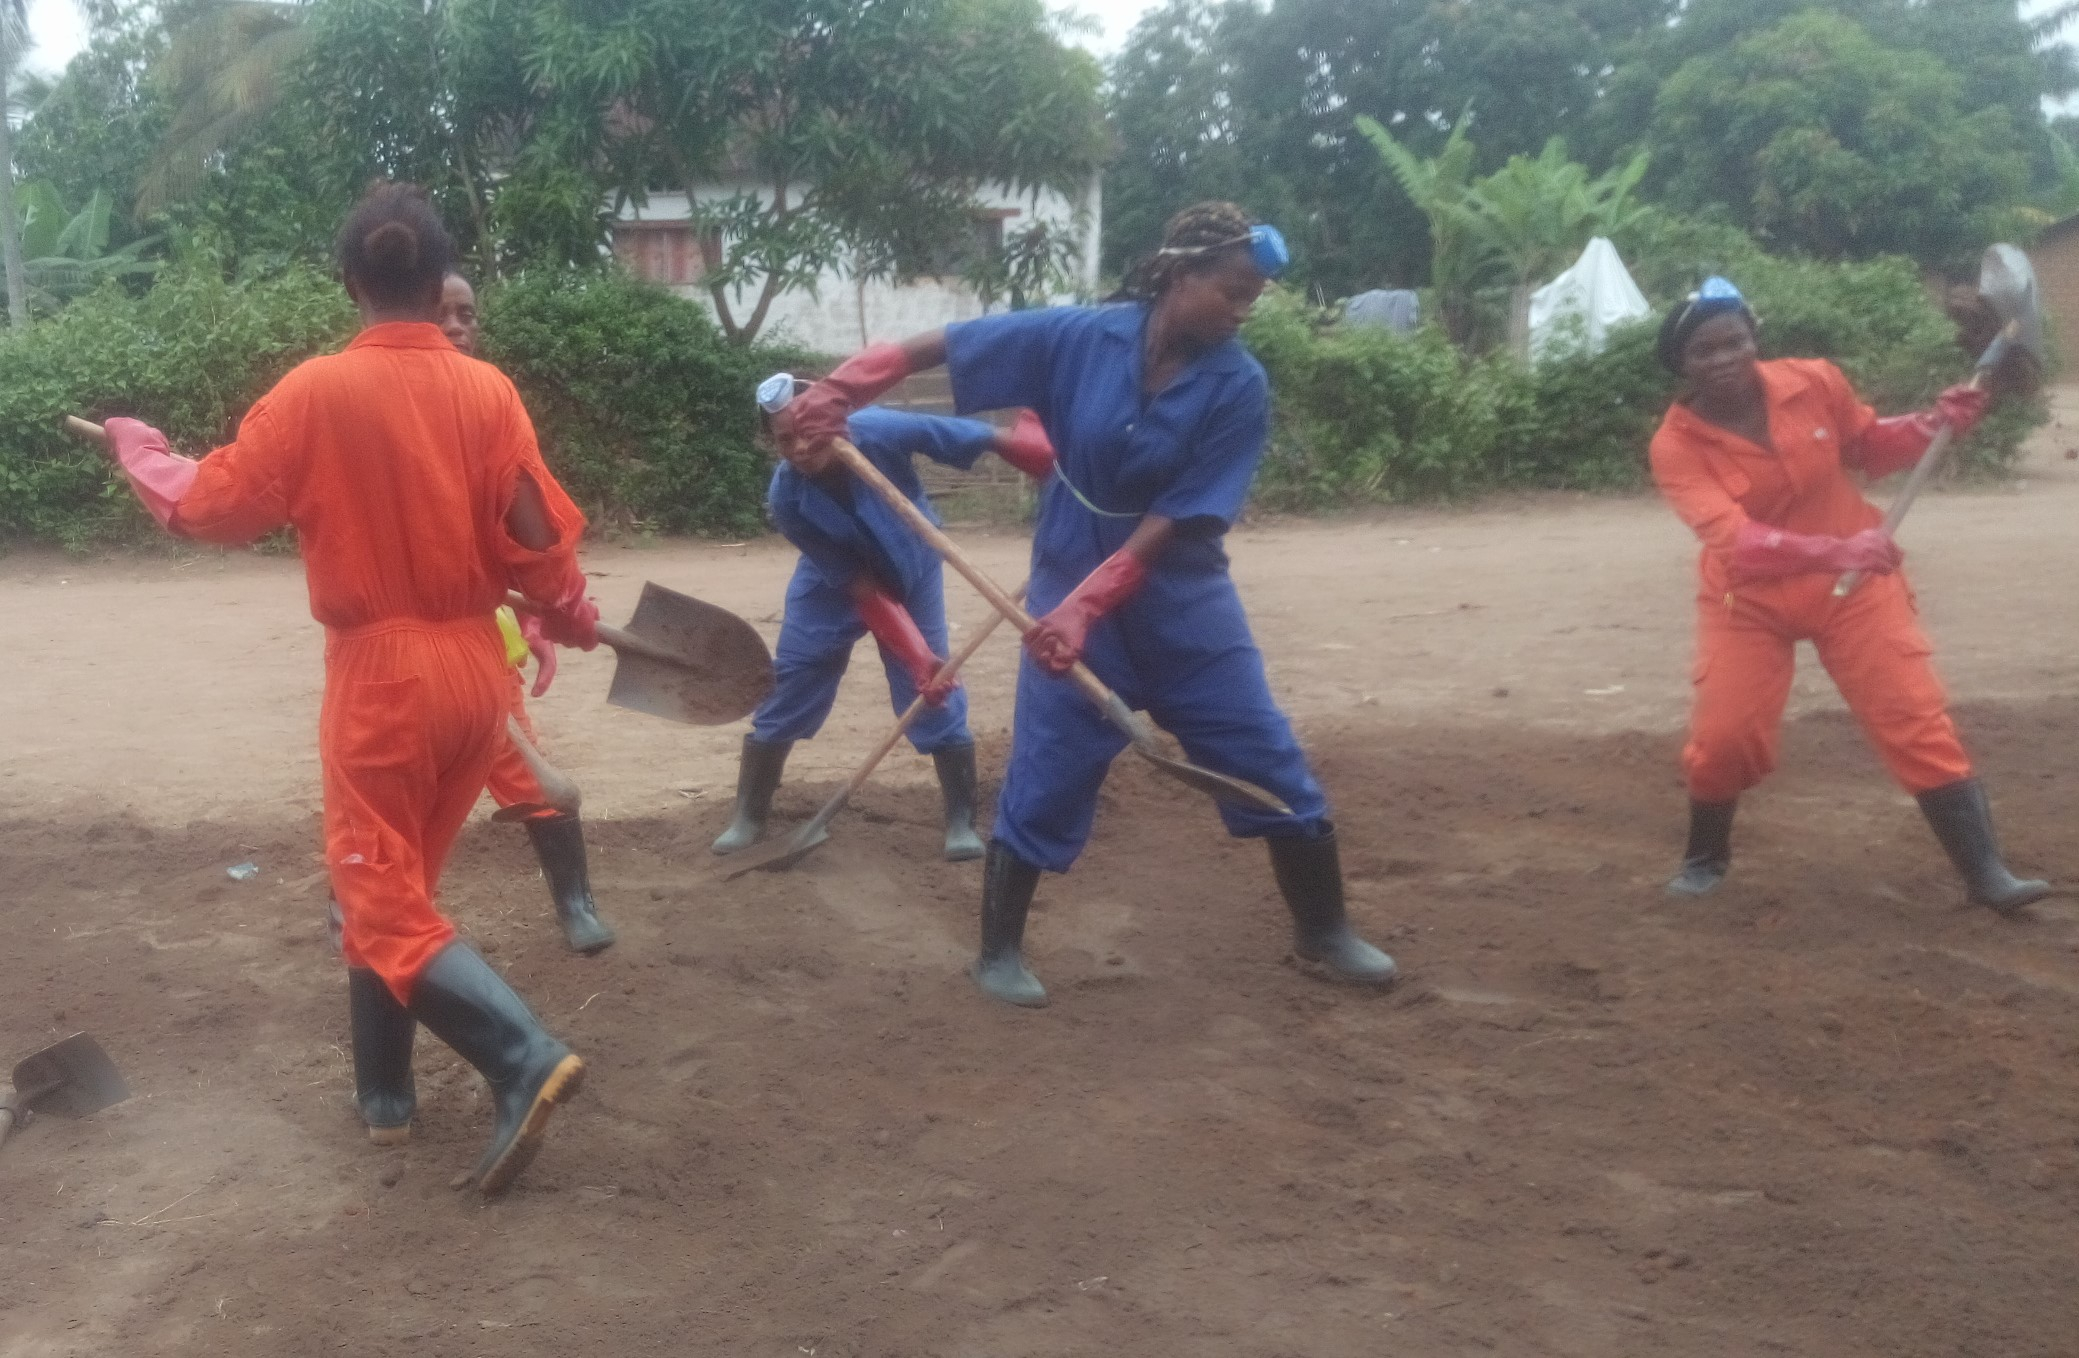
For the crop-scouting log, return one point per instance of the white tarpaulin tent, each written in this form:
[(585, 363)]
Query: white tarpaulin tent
[(1581, 306)]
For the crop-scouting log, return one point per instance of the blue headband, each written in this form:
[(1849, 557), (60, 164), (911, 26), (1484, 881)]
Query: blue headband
[(776, 393), (1267, 248)]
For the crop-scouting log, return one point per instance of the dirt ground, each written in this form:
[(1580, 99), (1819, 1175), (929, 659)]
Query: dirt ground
[(1829, 1112)]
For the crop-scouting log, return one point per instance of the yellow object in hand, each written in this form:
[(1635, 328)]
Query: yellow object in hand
[(516, 651)]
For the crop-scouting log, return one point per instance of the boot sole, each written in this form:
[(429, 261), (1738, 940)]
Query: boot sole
[(560, 1088), (2020, 902)]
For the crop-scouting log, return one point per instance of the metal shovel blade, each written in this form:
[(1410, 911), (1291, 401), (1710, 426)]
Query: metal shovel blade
[(2007, 282), (781, 854), (719, 669), (71, 1078), (1218, 786)]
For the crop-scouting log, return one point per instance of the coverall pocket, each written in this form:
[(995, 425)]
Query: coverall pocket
[(379, 727)]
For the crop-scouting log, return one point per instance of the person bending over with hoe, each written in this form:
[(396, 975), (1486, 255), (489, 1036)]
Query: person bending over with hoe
[(411, 476), (558, 836), (1754, 456), (1160, 417), (862, 571)]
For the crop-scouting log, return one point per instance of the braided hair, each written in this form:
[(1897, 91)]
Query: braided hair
[(1191, 240)]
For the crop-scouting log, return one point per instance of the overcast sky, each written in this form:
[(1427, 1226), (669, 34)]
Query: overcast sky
[(60, 31)]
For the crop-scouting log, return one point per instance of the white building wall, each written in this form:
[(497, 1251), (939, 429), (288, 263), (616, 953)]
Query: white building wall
[(843, 314)]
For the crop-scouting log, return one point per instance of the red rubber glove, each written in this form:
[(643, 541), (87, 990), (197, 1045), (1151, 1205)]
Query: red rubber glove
[(572, 620), (1027, 447), (544, 654), (1896, 443), (158, 474), (1764, 553), (1056, 641), (818, 414), (896, 631)]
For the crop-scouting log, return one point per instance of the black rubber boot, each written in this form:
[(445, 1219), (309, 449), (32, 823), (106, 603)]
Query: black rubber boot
[(757, 778), (1709, 855), (1963, 822), (560, 844), (1008, 882), (1310, 876), (470, 1007), (382, 1032), (957, 781)]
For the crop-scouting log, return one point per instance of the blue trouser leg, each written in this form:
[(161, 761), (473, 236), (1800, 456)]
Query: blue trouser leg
[(1061, 749), (816, 639), (1224, 716), (1220, 709)]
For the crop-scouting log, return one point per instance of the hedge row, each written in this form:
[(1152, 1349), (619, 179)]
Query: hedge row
[(644, 408)]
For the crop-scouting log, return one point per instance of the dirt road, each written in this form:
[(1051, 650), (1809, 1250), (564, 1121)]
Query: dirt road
[(1828, 1112)]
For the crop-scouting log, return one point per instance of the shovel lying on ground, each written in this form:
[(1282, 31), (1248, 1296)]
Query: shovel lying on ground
[(558, 792), (683, 659), (71, 1078), (812, 834), (1218, 786), (2007, 282)]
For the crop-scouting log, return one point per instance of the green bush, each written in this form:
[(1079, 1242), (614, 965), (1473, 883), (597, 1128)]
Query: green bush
[(188, 356), (644, 409)]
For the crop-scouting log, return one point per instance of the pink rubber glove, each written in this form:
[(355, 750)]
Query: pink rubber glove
[(1056, 641), (819, 413), (1027, 447), (572, 619), (1763, 553), (1896, 443), (544, 654), (897, 632), (159, 475)]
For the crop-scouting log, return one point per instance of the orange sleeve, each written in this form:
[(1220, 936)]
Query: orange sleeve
[(1850, 414), (241, 490), (550, 575), (1698, 498)]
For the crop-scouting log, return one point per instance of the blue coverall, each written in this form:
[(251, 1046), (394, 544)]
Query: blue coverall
[(843, 530), (1180, 648)]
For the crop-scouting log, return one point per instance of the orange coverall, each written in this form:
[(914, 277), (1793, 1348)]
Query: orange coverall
[(511, 782), (1870, 642), (396, 461)]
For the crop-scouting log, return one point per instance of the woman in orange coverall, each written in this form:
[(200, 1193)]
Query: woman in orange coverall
[(411, 476), (558, 837), (1755, 457)]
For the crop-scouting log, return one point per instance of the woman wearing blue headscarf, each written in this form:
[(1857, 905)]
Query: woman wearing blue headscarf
[(1159, 416), (1754, 456)]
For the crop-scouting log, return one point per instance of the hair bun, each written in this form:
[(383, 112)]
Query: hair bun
[(393, 246)]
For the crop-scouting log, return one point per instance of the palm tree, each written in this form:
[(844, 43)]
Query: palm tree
[(226, 65), (14, 45)]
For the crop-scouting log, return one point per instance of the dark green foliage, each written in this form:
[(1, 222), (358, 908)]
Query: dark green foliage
[(189, 357), (644, 409)]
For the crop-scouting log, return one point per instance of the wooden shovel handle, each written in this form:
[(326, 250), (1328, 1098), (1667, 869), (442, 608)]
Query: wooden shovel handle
[(1937, 449), (608, 633), (855, 461), (86, 429)]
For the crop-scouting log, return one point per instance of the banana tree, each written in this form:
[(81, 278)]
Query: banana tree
[(66, 253), (1441, 187), (1531, 218)]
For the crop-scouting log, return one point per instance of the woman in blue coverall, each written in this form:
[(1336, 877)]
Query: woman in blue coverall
[(862, 570), (1159, 415)]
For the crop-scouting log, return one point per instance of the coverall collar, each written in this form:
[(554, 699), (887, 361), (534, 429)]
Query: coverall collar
[(401, 335)]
